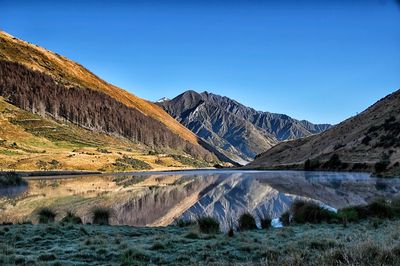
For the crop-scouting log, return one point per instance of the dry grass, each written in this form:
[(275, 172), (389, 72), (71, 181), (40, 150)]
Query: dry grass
[(30, 142)]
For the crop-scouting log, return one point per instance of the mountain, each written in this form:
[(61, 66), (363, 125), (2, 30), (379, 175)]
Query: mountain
[(236, 131), (369, 141), (163, 99), (44, 83)]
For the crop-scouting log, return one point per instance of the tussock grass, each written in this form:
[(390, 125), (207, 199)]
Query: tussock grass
[(45, 215), (101, 215)]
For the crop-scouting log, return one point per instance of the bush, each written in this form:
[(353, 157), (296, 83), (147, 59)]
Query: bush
[(334, 163), (381, 166), (310, 165), (101, 150), (348, 215), (231, 232), (101, 215), (71, 218), (285, 218), (126, 162), (381, 208), (246, 222), (310, 212), (360, 166), (46, 215), (185, 223), (265, 222), (208, 225)]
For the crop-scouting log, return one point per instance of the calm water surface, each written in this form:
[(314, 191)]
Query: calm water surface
[(162, 198)]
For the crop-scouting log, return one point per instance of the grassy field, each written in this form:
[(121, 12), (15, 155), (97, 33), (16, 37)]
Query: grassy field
[(370, 242)]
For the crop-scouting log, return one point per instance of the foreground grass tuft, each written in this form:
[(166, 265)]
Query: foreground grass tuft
[(101, 215), (46, 215)]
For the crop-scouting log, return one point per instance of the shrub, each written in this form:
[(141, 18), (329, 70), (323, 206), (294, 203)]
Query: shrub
[(231, 232), (310, 165), (42, 165), (285, 218), (71, 218), (265, 222), (310, 212), (381, 166), (101, 215), (208, 225), (54, 164), (381, 208), (46, 215), (125, 162), (246, 222), (360, 166), (101, 150), (334, 163), (349, 214), (185, 223)]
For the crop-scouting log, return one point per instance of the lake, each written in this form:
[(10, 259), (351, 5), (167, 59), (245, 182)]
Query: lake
[(162, 198)]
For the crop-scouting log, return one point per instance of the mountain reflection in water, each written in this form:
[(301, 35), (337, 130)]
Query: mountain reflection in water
[(160, 199)]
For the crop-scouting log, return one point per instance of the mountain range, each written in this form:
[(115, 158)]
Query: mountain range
[(56, 114), (369, 141), (236, 131)]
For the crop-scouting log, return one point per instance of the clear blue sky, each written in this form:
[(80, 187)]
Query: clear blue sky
[(320, 60)]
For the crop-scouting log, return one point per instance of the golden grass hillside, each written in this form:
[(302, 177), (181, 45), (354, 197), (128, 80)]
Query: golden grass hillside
[(31, 142), (71, 73)]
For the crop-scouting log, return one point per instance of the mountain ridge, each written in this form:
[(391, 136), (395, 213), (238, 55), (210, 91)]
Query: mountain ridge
[(238, 131)]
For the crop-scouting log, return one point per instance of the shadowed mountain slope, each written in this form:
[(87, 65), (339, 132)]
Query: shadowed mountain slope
[(369, 141)]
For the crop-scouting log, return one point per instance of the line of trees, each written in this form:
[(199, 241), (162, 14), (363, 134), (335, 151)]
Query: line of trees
[(39, 93)]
